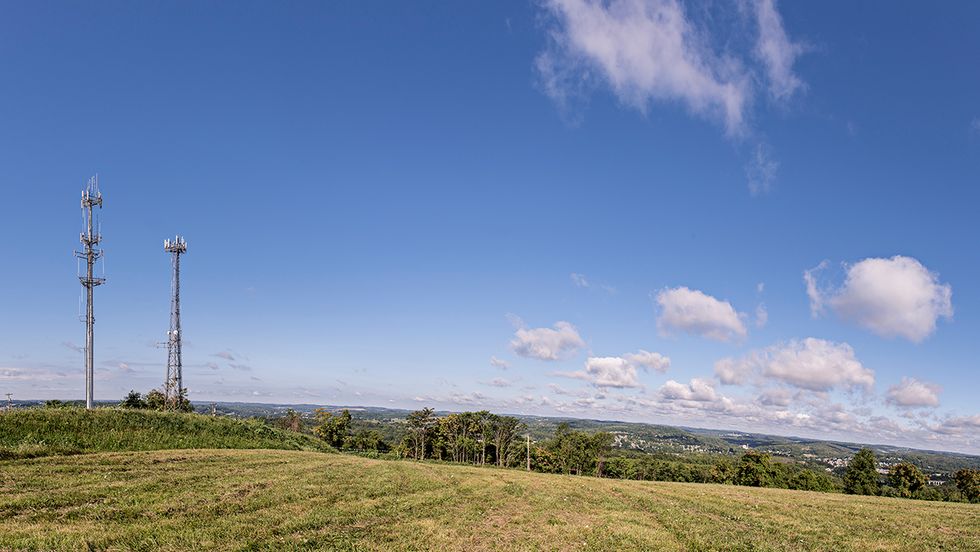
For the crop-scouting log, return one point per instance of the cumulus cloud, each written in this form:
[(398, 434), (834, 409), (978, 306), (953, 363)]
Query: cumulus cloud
[(499, 363), (579, 280), (694, 312), (912, 393), (698, 390), (776, 51), (812, 364), (547, 343), (647, 360), (896, 297), (619, 371)]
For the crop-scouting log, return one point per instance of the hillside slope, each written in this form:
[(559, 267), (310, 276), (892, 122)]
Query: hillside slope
[(33, 432), (284, 500)]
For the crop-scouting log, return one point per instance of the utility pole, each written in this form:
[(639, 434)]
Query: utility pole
[(528, 452), (91, 198), (174, 384)]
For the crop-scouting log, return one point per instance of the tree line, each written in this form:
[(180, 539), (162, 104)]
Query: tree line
[(485, 438), (905, 480)]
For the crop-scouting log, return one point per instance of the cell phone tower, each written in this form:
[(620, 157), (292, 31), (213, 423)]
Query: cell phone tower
[(174, 383), (90, 238)]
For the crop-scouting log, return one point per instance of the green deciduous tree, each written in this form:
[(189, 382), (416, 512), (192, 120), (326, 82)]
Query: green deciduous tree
[(332, 428), (291, 421), (156, 400), (133, 400), (420, 424), (906, 478), (968, 483), (861, 476), (755, 469)]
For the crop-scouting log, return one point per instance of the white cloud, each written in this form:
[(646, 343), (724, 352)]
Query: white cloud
[(896, 297), (776, 51), (779, 396), (610, 372), (645, 51), (621, 371), (650, 361), (579, 280), (975, 125), (761, 170), (912, 393), (698, 390), (547, 343), (499, 363), (695, 312), (812, 364)]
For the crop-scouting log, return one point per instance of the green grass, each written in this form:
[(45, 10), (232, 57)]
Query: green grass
[(286, 500), (37, 432)]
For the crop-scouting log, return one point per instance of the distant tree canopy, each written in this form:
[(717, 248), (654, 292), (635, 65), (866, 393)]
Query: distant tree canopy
[(906, 479), (861, 476), (467, 437), (968, 483), (332, 428), (156, 400), (291, 421), (756, 469), (573, 452), (133, 400)]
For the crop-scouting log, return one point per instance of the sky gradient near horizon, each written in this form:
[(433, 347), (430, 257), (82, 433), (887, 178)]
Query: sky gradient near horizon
[(735, 214)]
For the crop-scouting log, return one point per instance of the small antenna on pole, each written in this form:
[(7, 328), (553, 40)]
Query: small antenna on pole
[(174, 384), (90, 238)]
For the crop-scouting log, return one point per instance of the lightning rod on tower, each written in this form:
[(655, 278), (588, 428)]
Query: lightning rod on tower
[(174, 384), (90, 238)]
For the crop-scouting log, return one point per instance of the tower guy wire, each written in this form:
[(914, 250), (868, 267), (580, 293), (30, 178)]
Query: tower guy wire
[(174, 384), (90, 238)]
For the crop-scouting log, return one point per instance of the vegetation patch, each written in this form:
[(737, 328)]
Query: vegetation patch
[(34, 432)]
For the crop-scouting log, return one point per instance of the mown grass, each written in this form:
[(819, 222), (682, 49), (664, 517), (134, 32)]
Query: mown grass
[(284, 500), (34, 432)]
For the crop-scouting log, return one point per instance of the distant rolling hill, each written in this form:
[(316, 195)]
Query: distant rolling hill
[(815, 453)]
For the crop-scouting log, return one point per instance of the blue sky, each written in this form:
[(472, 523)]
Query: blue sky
[(605, 210)]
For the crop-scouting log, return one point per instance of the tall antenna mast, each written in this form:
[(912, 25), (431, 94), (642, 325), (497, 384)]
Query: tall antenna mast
[(174, 384), (91, 198)]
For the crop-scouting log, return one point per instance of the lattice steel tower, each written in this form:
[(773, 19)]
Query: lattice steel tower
[(91, 198), (174, 383)]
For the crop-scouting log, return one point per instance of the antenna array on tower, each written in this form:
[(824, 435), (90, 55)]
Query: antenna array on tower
[(174, 384), (90, 238)]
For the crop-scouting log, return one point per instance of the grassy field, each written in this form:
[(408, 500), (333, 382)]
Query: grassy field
[(36, 432), (285, 500)]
